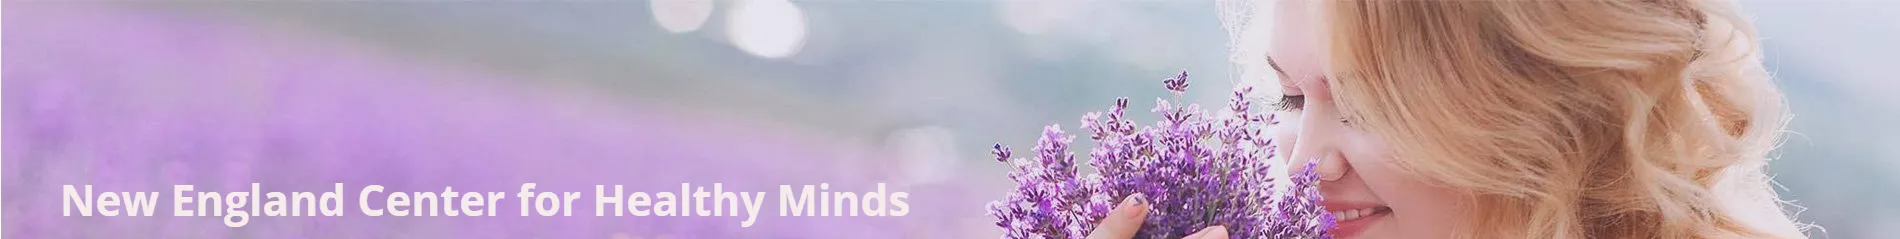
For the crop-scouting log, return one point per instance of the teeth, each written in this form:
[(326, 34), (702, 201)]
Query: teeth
[(1353, 214)]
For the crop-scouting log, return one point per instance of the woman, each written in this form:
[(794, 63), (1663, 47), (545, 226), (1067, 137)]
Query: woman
[(1526, 119)]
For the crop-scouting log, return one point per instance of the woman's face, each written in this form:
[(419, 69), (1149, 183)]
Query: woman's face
[(1364, 190)]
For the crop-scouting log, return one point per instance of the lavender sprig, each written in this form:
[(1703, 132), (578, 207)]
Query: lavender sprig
[(1197, 170)]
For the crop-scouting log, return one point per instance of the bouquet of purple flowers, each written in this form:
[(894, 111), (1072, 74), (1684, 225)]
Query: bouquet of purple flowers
[(1197, 170)]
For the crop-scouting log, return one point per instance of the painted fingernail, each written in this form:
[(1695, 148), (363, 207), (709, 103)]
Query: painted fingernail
[(1137, 199)]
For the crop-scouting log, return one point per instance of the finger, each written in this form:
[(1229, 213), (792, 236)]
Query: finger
[(1213, 232), (1124, 220)]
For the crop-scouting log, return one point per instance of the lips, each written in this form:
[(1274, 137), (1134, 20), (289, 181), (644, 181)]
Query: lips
[(1351, 218), (1349, 215)]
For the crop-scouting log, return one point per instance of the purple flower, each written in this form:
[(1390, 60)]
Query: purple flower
[(1197, 170), (1178, 83)]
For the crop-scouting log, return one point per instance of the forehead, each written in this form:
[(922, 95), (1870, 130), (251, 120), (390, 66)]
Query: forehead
[(1295, 48)]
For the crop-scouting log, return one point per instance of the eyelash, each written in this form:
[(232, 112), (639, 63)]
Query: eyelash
[(1290, 103), (1298, 102)]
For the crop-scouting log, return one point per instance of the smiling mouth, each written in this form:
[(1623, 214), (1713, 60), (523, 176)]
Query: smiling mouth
[(1355, 214)]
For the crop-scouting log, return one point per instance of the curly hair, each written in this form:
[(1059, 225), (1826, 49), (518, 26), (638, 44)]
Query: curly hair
[(1570, 119)]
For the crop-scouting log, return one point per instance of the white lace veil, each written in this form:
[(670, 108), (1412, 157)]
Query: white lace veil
[(1249, 25)]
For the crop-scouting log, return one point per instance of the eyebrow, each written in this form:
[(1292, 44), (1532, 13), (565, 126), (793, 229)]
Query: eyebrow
[(1283, 75)]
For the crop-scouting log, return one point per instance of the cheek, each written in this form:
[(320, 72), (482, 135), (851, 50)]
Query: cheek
[(1285, 133), (1418, 207)]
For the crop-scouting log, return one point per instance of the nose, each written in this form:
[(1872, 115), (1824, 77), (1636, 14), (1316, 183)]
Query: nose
[(1318, 140)]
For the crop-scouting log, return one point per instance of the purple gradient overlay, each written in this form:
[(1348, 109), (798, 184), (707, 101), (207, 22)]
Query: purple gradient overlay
[(130, 99)]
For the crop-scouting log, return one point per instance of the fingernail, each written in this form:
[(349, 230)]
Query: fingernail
[(1135, 199)]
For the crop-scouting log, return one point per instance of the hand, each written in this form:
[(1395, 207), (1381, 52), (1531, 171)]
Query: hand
[(1126, 219)]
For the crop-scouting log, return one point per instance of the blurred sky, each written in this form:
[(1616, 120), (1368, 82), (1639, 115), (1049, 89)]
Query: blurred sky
[(935, 82)]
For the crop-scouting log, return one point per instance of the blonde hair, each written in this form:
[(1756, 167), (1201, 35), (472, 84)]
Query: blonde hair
[(1570, 119)]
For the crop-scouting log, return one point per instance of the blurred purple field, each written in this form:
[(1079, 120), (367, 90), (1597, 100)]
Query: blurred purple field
[(130, 100)]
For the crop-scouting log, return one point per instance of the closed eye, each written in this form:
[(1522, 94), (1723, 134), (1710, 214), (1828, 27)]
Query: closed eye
[(1290, 103)]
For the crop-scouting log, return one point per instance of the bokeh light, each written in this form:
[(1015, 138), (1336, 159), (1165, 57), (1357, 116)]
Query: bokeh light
[(1035, 17), (928, 153), (681, 16), (767, 28)]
